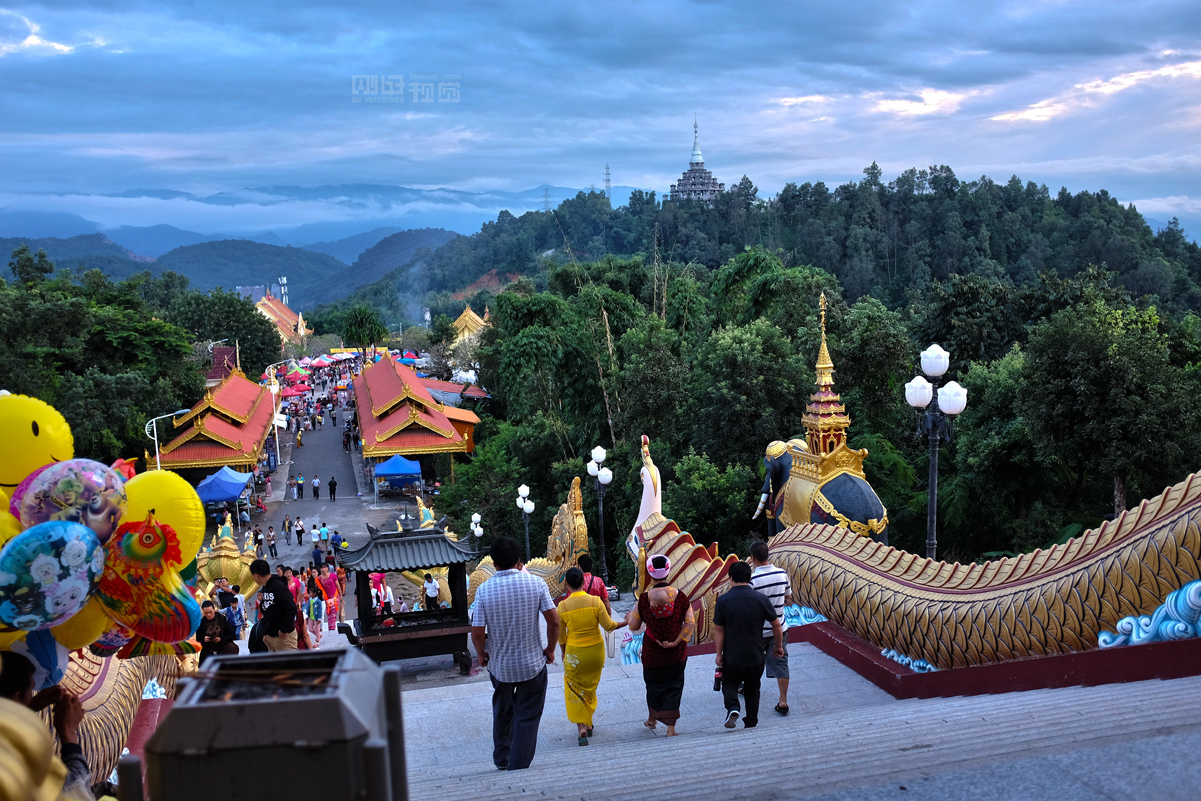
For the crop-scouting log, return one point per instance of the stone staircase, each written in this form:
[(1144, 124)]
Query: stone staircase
[(807, 754)]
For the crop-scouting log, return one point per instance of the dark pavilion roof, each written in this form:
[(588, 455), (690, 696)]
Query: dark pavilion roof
[(415, 549)]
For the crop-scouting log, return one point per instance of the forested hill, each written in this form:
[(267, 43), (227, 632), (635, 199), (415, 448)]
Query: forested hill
[(86, 250), (312, 277), (890, 240)]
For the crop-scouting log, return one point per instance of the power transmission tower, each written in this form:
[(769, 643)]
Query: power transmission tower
[(608, 185), (283, 290), (546, 199)]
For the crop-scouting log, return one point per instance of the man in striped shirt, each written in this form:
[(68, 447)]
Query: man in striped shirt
[(773, 582)]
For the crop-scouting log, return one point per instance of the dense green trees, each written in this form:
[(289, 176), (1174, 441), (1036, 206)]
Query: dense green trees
[(1076, 393), (109, 355)]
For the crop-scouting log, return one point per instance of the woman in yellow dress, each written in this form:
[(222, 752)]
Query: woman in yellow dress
[(583, 648)]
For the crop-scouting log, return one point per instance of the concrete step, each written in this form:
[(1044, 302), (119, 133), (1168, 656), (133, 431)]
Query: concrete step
[(805, 755)]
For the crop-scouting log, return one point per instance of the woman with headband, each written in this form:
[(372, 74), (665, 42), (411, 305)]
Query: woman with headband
[(582, 615), (666, 612)]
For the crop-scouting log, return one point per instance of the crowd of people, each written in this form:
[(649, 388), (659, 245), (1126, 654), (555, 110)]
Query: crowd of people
[(749, 635)]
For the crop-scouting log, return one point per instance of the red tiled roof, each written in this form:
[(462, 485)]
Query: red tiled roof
[(228, 426), (398, 415), (225, 358), (284, 318), (473, 391)]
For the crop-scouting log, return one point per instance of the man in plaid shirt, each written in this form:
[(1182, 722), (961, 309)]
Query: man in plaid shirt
[(507, 607)]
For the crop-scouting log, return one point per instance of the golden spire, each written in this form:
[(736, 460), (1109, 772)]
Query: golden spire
[(825, 367)]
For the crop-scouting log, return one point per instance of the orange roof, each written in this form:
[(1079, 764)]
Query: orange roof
[(398, 414), (290, 324), (473, 391), (228, 426)]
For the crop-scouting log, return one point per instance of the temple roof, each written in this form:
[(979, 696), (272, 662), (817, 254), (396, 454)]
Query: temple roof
[(697, 158), (227, 427), (290, 324), (468, 322), (398, 414), (418, 550)]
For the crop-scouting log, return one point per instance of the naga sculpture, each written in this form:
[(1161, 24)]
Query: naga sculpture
[(1050, 601)]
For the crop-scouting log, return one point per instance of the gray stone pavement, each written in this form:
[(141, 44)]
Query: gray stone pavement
[(457, 717)]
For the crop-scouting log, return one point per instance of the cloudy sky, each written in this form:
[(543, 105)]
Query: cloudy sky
[(105, 100)]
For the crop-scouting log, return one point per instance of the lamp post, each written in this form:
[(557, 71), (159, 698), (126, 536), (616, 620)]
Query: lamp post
[(527, 508), (477, 530), (603, 476), (935, 424), (152, 432), (274, 388)]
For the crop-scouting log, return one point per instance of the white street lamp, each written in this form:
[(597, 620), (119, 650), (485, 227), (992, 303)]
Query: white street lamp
[(598, 454), (603, 476), (475, 519), (593, 468), (952, 398), (935, 423), (935, 361), (527, 508), (919, 392), (152, 432)]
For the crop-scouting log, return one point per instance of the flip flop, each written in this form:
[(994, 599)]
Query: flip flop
[(783, 710)]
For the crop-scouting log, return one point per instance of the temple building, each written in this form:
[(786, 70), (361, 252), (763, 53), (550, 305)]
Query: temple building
[(290, 324), (468, 324), (697, 183), (229, 426), (398, 415)]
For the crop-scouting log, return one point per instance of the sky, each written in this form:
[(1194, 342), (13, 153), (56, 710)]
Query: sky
[(136, 112)]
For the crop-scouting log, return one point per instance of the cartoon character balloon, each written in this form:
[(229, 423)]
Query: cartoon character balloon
[(140, 588), (79, 491), (47, 574)]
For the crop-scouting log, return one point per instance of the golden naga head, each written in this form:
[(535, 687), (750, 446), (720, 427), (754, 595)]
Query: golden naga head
[(649, 463)]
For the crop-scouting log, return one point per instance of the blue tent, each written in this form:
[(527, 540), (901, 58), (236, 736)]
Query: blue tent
[(226, 484), (398, 467)]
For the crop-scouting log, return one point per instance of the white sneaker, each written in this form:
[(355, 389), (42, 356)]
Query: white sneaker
[(731, 718)]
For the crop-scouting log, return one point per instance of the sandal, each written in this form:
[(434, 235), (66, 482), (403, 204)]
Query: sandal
[(583, 741), (588, 732), (783, 710)]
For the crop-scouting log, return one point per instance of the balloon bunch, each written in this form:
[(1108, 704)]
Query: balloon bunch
[(90, 556)]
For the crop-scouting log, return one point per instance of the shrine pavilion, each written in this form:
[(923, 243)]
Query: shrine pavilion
[(398, 415), (229, 426)]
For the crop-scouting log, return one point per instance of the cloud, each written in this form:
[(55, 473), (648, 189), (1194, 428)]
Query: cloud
[(1079, 96), (933, 101), (19, 34), (800, 101)]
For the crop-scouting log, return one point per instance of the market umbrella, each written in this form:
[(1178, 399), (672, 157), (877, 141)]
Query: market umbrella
[(292, 392), (305, 362)]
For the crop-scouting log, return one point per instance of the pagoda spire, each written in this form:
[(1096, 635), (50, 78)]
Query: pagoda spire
[(825, 366), (697, 158), (826, 418)]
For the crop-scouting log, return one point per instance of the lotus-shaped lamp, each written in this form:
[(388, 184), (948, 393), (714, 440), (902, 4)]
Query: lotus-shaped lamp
[(952, 398), (935, 361), (919, 392)]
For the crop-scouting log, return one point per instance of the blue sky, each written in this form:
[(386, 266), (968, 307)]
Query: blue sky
[(103, 100)]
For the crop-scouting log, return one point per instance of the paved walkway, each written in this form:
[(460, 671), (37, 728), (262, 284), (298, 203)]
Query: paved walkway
[(845, 740)]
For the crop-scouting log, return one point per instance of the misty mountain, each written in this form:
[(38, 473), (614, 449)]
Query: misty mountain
[(348, 248), (82, 252), (396, 250), (44, 224), (312, 277)]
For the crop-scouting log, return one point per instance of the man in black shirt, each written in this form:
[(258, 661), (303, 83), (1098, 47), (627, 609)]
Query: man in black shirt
[(215, 633), (277, 608), (738, 638)]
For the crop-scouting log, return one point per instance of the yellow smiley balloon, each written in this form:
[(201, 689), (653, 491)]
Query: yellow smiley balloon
[(172, 501), (9, 525), (32, 434)]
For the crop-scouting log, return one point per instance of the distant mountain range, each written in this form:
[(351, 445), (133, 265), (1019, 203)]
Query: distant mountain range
[(314, 277), (270, 215)]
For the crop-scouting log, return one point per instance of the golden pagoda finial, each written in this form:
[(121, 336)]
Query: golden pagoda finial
[(825, 366)]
